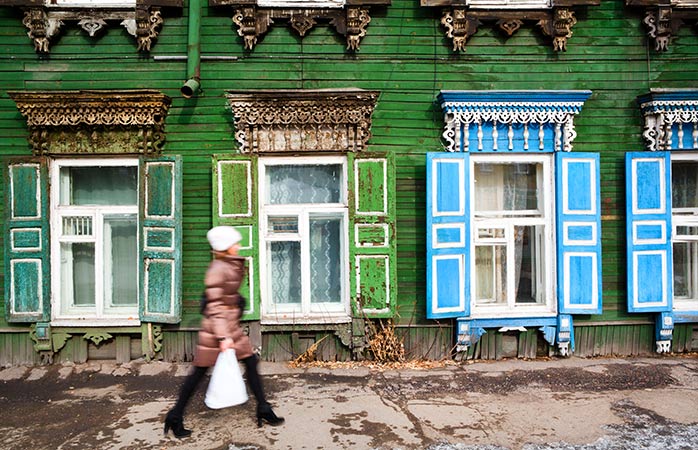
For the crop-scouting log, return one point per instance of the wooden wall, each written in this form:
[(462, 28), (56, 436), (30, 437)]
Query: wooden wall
[(405, 56)]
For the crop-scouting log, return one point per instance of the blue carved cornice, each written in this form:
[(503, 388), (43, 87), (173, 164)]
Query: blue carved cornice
[(510, 121), (671, 119)]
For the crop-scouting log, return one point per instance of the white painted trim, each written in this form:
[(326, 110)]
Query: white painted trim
[(39, 288), (434, 187), (445, 226), (148, 165), (357, 264), (636, 278), (14, 248), (660, 241), (37, 168), (250, 234), (594, 280), (147, 247), (384, 162), (460, 258), (565, 181), (386, 233), (566, 240), (662, 187)]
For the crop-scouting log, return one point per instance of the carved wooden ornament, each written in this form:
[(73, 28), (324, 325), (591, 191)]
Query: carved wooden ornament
[(94, 122)]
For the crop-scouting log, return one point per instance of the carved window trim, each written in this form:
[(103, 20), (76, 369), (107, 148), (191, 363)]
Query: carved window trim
[(664, 18), (253, 19), (461, 20), (670, 119), (302, 121), (142, 20), (523, 116), (94, 122)]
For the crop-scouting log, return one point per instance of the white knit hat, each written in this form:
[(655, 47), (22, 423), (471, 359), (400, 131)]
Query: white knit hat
[(223, 237)]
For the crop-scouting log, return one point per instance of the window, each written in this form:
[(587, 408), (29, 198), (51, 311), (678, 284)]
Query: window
[(94, 231), (512, 233), (684, 219), (304, 237)]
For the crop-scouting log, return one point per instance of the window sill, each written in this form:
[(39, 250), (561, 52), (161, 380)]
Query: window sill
[(102, 322), (290, 319)]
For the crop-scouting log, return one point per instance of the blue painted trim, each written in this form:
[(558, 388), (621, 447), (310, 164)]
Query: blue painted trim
[(513, 96), (514, 322), (686, 317), (668, 95)]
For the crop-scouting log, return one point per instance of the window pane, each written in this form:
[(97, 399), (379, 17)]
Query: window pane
[(317, 183), (527, 264), (491, 274), (685, 270), (99, 185), (121, 261), (78, 273), (285, 272), (684, 184), (506, 187), (325, 260)]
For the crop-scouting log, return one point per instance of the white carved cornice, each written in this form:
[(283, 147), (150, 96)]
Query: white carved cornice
[(302, 120), (670, 119), (54, 115), (522, 115)]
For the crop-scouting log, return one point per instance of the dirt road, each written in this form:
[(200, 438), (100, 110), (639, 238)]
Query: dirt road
[(570, 403)]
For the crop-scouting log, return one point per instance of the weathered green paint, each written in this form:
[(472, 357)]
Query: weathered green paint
[(234, 203), (405, 56), (160, 266), (371, 213), (26, 245)]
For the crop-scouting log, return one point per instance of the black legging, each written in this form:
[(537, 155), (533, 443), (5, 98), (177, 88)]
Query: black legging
[(197, 374)]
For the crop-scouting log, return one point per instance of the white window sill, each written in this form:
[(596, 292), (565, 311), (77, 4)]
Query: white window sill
[(291, 319), (101, 322), (492, 313)]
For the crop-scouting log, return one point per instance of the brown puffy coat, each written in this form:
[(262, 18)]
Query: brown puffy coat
[(222, 313)]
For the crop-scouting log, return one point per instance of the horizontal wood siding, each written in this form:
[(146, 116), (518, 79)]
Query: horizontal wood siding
[(405, 56)]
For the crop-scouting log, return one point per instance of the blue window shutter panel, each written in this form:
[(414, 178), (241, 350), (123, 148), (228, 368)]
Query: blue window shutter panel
[(648, 229), (27, 269), (448, 235), (160, 221), (578, 230)]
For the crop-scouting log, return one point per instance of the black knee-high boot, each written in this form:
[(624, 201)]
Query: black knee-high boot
[(175, 417), (264, 411)]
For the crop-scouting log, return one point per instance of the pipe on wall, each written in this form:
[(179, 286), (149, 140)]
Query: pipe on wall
[(192, 86)]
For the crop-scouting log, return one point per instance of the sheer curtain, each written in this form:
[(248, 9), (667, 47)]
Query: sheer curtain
[(307, 184)]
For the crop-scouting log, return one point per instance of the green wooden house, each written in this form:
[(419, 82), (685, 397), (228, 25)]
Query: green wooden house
[(484, 179)]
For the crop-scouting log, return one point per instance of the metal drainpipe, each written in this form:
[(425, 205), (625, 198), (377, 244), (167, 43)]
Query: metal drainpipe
[(193, 86)]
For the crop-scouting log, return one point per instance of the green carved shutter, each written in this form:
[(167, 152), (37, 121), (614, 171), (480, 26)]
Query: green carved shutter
[(372, 235), (27, 248), (235, 204), (160, 222)]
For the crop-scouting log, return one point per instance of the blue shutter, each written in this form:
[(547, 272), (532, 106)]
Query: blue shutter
[(27, 249), (161, 240), (578, 206), (448, 235), (649, 255), (235, 204)]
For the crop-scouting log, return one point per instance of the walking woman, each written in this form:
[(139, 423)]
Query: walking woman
[(220, 329)]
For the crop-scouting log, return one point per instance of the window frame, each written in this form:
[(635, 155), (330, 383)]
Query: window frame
[(306, 312), (546, 218), (688, 217), (76, 316)]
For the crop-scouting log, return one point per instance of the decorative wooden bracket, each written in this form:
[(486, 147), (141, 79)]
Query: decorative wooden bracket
[(94, 122), (559, 27), (461, 20), (44, 24), (663, 19), (253, 22)]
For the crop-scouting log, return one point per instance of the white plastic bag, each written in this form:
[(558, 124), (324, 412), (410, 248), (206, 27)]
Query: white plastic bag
[(226, 388)]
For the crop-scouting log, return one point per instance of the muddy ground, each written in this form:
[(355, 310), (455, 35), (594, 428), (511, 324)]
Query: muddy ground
[(557, 404)]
